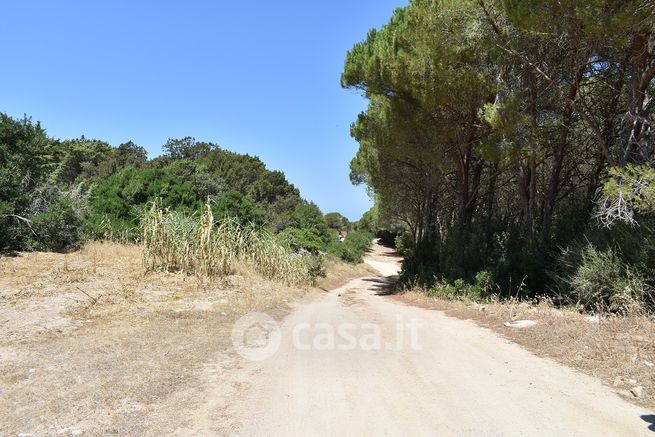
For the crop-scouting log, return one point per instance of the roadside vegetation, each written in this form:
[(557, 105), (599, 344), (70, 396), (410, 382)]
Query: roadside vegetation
[(200, 244), (509, 147), (197, 207)]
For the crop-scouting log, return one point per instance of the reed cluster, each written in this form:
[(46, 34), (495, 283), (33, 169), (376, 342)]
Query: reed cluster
[(199, 244)]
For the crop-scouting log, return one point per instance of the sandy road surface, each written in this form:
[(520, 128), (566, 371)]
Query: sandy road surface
[(456, 379)]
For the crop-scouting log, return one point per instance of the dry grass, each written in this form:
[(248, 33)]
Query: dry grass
[(91, 341), (615, 349)]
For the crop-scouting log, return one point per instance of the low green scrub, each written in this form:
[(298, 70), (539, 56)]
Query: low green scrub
[(353, 248), (603, 283), (305, 239), (482, 289)]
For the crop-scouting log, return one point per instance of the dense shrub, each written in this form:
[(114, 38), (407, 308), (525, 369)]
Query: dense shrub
[(54, 194), (235, 205), (60, 228), (305, 239), (420, 265), (353, 248), (482, 289), (602, 282)]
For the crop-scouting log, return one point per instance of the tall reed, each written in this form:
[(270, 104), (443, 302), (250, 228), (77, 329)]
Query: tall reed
[(198, 244)]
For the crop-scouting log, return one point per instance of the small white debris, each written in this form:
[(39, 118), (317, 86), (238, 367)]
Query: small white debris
[(631, 381), (593, 319), (23, 434), (76, 432), (648, 364), (32, 370), (637, 391), (63, 431), (521, 324)]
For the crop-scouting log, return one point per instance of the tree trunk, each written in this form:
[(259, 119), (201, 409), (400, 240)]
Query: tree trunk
[(559, 153)]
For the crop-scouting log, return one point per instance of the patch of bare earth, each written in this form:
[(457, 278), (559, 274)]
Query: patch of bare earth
[(620, 351), (90, 344)]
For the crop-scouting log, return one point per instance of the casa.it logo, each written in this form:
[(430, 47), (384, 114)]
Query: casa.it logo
[(256, 336)]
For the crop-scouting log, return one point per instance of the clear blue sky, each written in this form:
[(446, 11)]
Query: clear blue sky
[(254, 77)]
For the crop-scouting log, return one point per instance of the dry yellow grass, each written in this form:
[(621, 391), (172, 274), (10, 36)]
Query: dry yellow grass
[(616, 349), (90, 341)]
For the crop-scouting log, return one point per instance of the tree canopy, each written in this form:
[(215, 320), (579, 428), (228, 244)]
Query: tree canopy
[(55, 194), (499, 131)]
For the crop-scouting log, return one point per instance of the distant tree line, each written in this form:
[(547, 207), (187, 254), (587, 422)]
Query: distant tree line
[(514, 138), (55, 194)]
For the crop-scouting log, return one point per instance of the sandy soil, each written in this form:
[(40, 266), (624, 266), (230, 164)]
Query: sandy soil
[(464, 380), (90, 345), (620, 351)]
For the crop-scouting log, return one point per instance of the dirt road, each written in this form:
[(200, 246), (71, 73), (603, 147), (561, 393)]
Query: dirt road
[(354, 362)]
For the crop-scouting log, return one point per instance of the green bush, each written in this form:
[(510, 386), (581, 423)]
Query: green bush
[(481, 290), (484, 283), (58, 229), (420, 266), (235, 205), (603, 282), (308, 239), (353, 248), (403, 244)]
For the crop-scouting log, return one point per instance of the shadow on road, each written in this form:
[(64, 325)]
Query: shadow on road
[(383, 286), (389, 254)]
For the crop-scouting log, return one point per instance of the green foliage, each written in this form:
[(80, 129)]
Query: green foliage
[(307, 239), (120, 200), (420, 265), (628, 190), (404, 244), (82, 159), (334, 220), (235, 205), (190, 173), (492, 126), (271, 186), (370, 220), (58, 229), (186, 148), (481, 290), (54, 194), (603, 282), (309, 216), (26, 159), (353, 248)]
